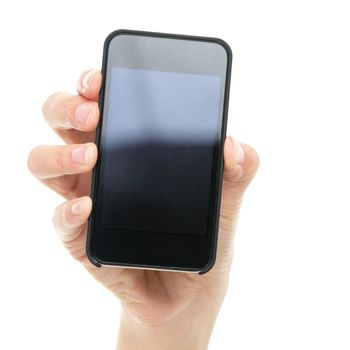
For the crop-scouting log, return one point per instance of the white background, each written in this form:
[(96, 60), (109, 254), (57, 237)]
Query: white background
[(290, 285)]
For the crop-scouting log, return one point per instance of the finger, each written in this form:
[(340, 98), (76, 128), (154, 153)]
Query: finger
[(241, 163), (64, 112), (70, 186), (53, 161), (89, 84), (70, 221)]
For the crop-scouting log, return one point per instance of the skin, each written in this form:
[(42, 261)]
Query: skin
[(160, 310)]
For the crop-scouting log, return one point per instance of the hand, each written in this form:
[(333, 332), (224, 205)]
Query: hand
[(160, 310)]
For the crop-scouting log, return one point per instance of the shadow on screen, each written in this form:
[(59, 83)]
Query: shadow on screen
[(156, 186)]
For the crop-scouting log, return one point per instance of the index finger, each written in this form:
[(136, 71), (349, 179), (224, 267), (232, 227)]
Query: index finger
[(75, 118)]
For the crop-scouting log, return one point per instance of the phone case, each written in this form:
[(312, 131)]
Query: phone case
[(221, 146)]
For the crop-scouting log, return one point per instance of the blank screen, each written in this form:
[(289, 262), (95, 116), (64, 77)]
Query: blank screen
[(156, 158)]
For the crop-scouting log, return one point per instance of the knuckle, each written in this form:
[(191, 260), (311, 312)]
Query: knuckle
[(58, 109), (57, 217), (246, 178), (240, 177), (238, 180), (31, 160), (60, 159), (64, 110), (68, 104), (48, 104)]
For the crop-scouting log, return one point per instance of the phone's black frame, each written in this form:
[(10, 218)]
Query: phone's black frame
[(161, 242)]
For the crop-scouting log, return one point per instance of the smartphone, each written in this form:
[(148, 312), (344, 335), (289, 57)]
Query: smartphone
[(156, 186)]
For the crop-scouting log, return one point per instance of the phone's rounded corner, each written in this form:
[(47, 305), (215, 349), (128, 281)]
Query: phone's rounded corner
[(227, 48), (115, 33), (93, 259), (208, 266)]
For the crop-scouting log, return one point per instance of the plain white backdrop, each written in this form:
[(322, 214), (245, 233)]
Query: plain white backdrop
[(290, 99)]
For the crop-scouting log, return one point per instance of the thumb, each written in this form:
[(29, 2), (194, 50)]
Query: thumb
[(241, 163)]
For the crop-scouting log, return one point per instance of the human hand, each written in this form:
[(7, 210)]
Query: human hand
[(160, 310)]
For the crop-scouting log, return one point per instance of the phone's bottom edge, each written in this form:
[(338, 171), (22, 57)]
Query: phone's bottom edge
[(150, 268)]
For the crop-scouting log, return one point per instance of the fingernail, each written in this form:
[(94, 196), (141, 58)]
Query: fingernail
[(77, 207), (84, 111), (82, 155), (85, 80), (238, 152)]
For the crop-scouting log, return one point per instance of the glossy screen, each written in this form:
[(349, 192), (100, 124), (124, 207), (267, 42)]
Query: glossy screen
[(156, 160)]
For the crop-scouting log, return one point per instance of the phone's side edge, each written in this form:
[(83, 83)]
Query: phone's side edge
[(228, 51), (94, 181)]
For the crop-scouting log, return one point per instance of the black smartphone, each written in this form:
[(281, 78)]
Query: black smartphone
[(156, 186)]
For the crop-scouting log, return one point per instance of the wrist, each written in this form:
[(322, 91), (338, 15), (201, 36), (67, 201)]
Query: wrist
[(190, 330)]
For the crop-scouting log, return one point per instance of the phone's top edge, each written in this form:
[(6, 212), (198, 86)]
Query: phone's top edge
[(218, 41)]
